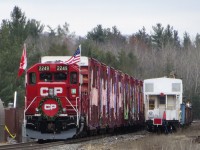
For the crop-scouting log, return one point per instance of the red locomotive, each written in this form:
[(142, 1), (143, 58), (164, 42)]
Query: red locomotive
[(63, 101)]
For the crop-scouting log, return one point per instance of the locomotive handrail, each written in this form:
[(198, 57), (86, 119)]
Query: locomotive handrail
[(71, 104), (76, 109), (77, 116), (27, 109), (30, 104)]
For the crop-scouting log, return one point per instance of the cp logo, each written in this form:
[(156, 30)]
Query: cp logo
[(44, 91), (50, 106)]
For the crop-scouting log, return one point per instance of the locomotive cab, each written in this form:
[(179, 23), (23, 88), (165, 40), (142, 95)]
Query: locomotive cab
[(52, 97)]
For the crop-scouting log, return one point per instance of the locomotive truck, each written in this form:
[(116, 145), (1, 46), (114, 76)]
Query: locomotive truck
[(64, 101)]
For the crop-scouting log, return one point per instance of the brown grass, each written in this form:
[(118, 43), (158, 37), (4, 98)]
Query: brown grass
[(183, 139), (163, 142)]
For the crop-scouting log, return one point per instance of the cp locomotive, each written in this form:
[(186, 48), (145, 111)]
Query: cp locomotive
[(63, 101), (164, 106)]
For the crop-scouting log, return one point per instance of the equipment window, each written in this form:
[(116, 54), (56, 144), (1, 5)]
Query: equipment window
[(151, 104), (73, 78), (46, 76), (60, 76), (32, 78), (176, 87)]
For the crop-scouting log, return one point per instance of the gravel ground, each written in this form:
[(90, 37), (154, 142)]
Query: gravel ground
[(102, 144)]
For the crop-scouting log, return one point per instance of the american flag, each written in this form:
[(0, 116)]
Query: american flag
[(75, 58)]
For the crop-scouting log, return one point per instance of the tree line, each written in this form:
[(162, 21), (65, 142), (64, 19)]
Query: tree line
[(140, 54)]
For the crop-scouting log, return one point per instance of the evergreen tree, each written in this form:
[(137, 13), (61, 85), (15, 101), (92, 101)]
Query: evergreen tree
[(176, 38), (168, 35), (197, 41), (141, 40), (97, 34), (186, 41), (158, 36)]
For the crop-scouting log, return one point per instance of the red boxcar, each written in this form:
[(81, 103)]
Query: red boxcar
[(63, 101)]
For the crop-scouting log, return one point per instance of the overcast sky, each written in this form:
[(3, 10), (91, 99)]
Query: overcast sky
[(128, 15)]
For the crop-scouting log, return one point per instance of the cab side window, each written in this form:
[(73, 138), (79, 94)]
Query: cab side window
[(32, 78), (73, 78)]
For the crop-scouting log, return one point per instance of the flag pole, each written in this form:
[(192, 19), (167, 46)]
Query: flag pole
[(80, 69), (25, 100), (75, 59), (26, 56), (79, 81), (26, 65)]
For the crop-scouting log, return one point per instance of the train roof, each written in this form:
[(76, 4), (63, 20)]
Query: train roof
[(163, 85), (163, 79), (45, 59)]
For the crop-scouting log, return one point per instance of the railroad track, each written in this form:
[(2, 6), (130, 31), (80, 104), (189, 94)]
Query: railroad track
[(36, 145), (30, 145)]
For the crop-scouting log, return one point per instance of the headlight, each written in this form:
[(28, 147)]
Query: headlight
[(64, 109), (51, 92), (37, 110)]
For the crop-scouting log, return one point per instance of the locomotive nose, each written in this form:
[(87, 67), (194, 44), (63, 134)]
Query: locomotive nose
[(50, 107)]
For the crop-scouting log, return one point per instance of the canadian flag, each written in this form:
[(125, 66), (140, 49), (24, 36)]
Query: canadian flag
[(23, 62)]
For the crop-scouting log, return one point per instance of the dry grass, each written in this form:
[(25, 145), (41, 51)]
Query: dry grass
[(164, 142), (183, 139)]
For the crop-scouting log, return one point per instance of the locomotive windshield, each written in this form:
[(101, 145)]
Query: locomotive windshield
[(49, 76), (46, 76), (59, 76)]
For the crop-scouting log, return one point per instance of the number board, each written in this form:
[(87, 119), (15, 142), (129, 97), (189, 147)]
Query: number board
[(43, 68), (61, 68)]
